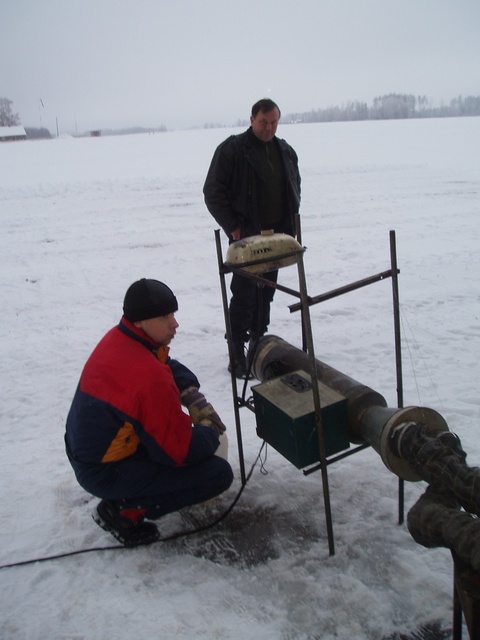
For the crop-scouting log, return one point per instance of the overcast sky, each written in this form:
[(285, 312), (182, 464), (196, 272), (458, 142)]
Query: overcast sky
[(115, 63)]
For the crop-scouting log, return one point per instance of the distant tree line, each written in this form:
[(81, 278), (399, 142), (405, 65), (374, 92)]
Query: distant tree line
[(390, 107)]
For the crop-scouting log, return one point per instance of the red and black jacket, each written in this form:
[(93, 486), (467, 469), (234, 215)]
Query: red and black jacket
[(128, 398)]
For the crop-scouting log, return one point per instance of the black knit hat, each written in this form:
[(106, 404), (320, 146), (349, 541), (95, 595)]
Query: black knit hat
[(148, 299)]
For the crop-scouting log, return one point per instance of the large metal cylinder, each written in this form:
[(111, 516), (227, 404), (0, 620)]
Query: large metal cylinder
[(275, 357), (369, 420)]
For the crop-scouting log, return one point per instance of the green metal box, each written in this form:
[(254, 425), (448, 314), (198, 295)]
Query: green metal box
[(285, 415)]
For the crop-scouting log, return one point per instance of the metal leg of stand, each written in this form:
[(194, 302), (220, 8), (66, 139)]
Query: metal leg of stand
[(398, 357), (307, 332), (401, 501), (230, 353), (457, 612)]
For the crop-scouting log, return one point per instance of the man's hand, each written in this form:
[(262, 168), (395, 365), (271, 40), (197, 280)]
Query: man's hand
[(236, 234), (201, 411)]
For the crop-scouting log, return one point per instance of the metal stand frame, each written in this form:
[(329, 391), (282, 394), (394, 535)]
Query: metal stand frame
[(304, 306), (466, 599)]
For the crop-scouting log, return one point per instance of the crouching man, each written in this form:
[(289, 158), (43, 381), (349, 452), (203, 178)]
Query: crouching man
[(127, 437)]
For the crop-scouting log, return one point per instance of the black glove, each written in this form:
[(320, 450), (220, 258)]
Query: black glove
[(201, 411)]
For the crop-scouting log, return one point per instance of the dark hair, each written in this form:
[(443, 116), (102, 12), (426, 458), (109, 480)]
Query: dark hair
[(265, 105)]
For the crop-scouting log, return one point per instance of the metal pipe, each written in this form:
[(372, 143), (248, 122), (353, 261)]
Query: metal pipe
[(275, 357)]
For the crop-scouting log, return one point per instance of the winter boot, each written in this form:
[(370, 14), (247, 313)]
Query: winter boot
[(239, 361), (130, 532)]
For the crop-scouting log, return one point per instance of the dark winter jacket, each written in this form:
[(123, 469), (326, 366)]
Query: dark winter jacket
[(232, 181), (128, 403)]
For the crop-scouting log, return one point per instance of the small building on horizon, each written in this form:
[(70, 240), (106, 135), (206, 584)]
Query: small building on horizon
[(10, 134)]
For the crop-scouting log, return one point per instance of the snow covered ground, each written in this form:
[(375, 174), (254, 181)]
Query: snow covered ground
[(83, 218)]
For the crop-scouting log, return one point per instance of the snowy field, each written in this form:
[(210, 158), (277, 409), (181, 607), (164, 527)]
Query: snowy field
[(81, 220)]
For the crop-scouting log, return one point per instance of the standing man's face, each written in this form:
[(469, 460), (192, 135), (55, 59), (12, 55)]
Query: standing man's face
[(264, 124)]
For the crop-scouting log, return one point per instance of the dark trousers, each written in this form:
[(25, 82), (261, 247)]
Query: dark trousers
[(250, 306), (137, 483)]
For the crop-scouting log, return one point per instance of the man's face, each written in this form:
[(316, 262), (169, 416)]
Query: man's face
[(264, 124), (161, 330)]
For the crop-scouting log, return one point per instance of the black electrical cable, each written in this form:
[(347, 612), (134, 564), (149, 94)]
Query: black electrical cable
[(173, 536)]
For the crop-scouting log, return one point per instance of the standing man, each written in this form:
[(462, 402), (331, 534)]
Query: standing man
[(253, 183), (127, 437)]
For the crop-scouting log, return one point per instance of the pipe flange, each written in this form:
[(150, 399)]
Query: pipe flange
[(403, 418)]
